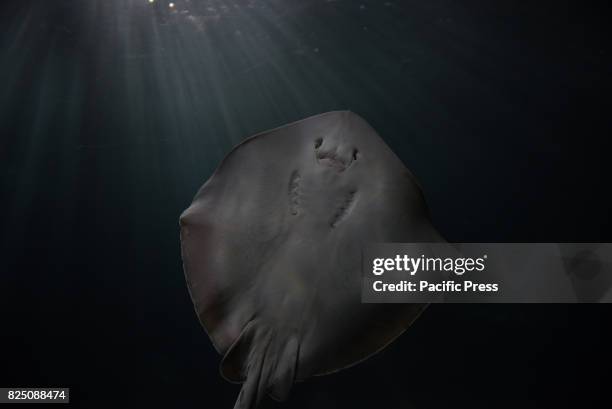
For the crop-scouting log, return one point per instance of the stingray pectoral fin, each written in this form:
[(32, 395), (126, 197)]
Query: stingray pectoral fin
[(264, 362)]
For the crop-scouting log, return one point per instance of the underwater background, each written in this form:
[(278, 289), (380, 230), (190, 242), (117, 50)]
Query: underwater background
[(113, 113)]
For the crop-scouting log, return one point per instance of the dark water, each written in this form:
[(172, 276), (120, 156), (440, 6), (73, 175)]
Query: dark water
[(113, 113)]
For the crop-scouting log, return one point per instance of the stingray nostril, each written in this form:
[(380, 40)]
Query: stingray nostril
[(355, 154), (318, 143)]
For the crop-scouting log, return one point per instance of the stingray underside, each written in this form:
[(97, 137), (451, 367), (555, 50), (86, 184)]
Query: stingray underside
[(272, 246)]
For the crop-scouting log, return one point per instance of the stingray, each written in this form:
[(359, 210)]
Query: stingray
[(272, 247)]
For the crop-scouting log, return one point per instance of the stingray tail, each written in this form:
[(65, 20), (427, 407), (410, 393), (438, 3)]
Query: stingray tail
[(267, 362)]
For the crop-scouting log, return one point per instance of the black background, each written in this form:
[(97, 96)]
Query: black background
[(113, 113)]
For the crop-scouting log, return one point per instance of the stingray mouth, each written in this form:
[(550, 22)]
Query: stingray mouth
[(333, 159)]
